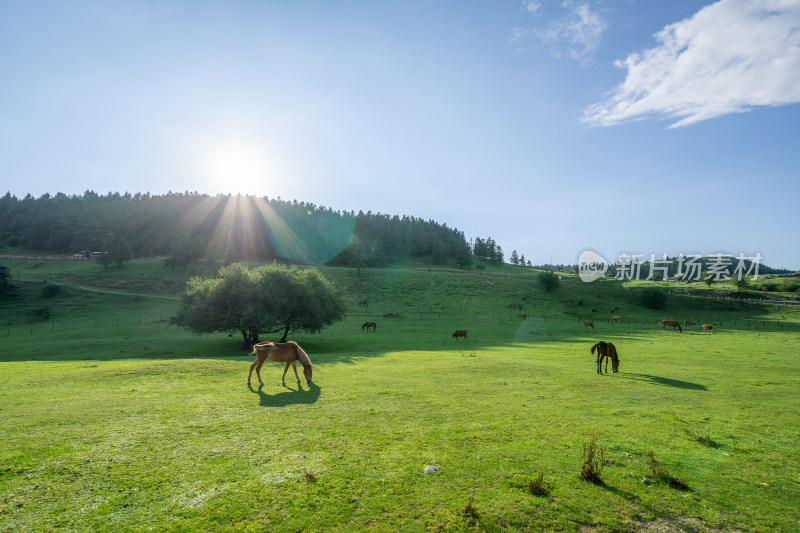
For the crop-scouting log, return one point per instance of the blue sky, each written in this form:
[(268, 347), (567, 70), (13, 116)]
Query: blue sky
[(551, 126)]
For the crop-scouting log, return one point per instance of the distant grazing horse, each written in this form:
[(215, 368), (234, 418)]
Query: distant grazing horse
[(687, 323), (357, 284), (460, 333), (589, 323), (614, 319), (363, 303), (524, 316), (280, 352), (368, 325), (709, 327), (595, 310), (672, 323), (512, 306), (608, 351)]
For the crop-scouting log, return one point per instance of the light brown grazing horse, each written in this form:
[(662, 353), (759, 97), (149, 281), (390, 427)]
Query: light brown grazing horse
[(672, 323), (460, 333), (589, 323), (524, 316), (368, 325), (363, 303), (280, 352), (687, 323), (709, 327), (608, 351)]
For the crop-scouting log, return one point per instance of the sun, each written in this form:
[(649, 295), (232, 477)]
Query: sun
[(238, 166)]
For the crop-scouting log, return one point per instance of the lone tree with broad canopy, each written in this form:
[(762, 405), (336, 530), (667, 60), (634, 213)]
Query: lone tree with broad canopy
[(267, 299)]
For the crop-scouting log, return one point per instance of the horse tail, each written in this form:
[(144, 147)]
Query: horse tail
[(593, 348), (302, 355)]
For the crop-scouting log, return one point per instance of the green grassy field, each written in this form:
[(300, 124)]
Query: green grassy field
[(113, 420)]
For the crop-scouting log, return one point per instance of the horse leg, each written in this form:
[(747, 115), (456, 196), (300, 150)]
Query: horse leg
[(599, 363), (607, 358), (294, 367), (257, 367), (285, 369), (252, 367)]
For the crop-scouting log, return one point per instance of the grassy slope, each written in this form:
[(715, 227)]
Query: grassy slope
[(113, 420)]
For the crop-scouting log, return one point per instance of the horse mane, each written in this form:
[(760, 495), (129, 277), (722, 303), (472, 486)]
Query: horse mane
[(301, 355)]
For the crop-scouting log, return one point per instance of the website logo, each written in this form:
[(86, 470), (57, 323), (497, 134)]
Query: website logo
[(591, 265)]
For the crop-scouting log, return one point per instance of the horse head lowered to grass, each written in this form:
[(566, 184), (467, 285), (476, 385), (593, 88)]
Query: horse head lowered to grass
[(280, 352)]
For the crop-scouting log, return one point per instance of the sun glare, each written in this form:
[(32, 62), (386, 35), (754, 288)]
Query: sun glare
[(238, 167)]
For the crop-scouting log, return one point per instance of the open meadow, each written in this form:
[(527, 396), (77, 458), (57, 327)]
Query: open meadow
[(113, 420)]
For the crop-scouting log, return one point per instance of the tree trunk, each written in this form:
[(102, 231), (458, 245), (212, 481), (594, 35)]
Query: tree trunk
[(250, 338), (285, 333)]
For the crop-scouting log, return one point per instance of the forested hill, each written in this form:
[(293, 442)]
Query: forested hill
[(187, 227)]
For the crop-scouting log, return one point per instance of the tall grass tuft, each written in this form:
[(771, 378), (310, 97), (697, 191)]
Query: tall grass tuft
[(593, 460)]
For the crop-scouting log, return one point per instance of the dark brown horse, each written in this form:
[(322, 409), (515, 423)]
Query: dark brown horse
[(588, 323), (460, 333), (368, 325), (363, 303), (608, 351)]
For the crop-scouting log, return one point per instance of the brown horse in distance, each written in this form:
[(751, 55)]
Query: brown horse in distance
[(672, 323), (687, 323), (460, 333), (589, 323), (363, 303), (280, 352), (606, 350), (709, 327), (368, 325)]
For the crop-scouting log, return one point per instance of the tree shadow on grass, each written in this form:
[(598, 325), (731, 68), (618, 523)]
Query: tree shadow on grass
[(288, 397), (668, 382)]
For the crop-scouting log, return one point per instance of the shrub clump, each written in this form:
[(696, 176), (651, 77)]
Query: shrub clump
[(653, 298), (547, 280), (49, 291)]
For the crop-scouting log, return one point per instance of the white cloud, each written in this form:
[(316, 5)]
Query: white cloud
[(531, 6), (729, 57), (578, 33)]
